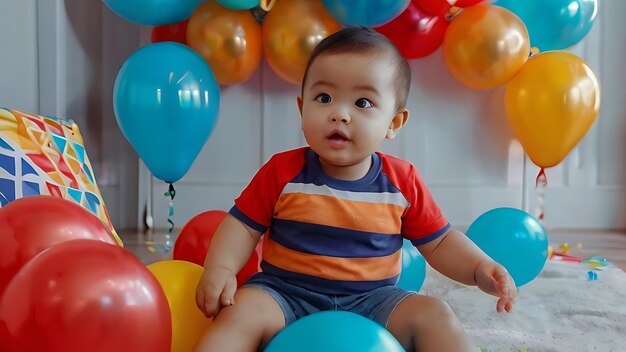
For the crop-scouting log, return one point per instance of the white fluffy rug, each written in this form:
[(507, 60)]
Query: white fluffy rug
[(561, 310)]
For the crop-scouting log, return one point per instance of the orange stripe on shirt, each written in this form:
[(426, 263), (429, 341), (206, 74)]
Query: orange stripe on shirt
[(333, 268), (342, 213)]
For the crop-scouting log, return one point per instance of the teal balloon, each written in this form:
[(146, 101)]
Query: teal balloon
[(413, 268), (554, 24), (238, 4), (166, 102), (334, 331), (153, 12), (514, 239), (369, 13)]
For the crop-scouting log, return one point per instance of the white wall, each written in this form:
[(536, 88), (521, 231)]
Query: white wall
[(64, 56), (60, 58), (18, 56)]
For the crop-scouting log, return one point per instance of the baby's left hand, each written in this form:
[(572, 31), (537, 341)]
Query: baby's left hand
[(493, 279)]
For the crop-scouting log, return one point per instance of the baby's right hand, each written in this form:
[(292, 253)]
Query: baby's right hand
[(216, 290)]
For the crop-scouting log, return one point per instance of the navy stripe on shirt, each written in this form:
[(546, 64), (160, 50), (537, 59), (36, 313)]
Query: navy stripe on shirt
[(431, 237), (326, 286), (332, 241), (234, 211)]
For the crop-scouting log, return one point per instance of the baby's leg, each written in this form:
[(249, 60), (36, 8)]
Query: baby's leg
[(428, 324), (251, 322)]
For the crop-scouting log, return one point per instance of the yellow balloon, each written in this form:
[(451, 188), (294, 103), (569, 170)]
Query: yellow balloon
[(290, 33), (485, 46), (229, 40), (551, 104), (179, 280)]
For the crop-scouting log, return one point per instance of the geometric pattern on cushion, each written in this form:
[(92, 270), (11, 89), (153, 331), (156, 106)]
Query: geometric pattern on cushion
[(42, 155)]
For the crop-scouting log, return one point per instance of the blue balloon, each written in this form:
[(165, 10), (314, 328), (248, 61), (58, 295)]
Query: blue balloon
[(413, 268), (514, 239), (153, 12), (238, 4), (166, 102), (369, 13), (334, 331), (554, 24)]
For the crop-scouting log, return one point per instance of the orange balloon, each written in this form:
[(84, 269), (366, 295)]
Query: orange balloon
[(551, 104), (230, 41), (485, 46), (290, 33)]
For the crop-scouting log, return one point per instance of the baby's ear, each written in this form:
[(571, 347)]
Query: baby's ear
[(400, 118), (299, 99)]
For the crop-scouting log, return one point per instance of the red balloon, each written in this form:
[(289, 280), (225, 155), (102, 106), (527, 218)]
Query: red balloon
[(195, 237), (433, 7), (176, 32), (85, 295), (415, 33), (31, 224), (466, 3)]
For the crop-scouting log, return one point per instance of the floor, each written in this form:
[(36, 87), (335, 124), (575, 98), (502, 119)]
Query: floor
[(582, 244), (608, 244)]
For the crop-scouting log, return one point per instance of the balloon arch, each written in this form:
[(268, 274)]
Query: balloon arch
[(552, 97)]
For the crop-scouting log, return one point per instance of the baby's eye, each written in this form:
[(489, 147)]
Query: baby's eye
[(363, 103), (323, 98)]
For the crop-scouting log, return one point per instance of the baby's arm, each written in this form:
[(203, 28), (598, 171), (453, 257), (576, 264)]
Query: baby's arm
[(229, 251), (457, 257)]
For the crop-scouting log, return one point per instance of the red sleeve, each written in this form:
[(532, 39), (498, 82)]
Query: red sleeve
[(255, 206), (422, 221)]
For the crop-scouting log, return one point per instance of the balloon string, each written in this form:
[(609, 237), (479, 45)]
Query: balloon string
[(169, 239), (540, 185), (533, 51), (452, 13), (267, 5)]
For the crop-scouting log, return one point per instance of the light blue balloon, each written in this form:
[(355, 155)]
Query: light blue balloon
[(153, 12), (239, 4), (514, 239), (554, 24), (413, 268), (166, 102), (369, 13), (334, 331)]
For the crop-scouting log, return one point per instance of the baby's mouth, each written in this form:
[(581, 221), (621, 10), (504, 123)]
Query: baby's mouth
[(338, 136)]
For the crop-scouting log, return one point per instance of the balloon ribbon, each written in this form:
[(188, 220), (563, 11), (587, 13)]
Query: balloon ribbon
[(540, 185), (169, 238)]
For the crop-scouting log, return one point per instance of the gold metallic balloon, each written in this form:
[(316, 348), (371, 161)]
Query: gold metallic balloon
[(291, 30), (485, 46), (551, 104), (179, 280), (230, 41)]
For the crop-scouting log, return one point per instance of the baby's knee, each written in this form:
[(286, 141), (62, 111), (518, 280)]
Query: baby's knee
[(431, 311), (253, 308), (255, 311), (437, 307), (250, 322)]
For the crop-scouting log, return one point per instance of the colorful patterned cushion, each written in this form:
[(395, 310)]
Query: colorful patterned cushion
[(44, 155)]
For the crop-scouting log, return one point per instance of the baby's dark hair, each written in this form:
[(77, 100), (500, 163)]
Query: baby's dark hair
[(366, 40)]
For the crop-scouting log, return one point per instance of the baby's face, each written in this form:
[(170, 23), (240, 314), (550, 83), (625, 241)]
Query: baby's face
[(347, 104)]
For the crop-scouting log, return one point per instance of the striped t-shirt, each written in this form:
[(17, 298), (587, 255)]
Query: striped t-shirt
[(335, 236)]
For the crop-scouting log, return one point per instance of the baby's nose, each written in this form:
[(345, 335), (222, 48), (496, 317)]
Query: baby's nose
[(342, 117)]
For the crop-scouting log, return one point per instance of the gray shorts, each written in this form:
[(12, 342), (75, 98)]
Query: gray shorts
[(297, 302)]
